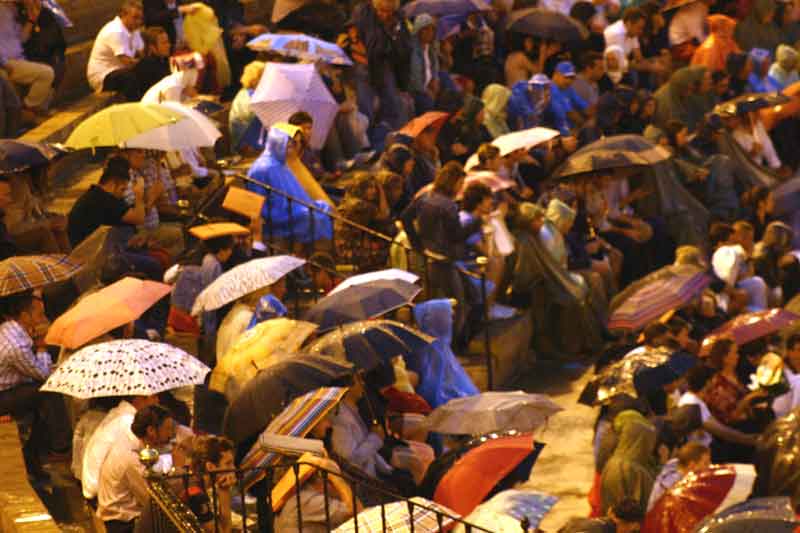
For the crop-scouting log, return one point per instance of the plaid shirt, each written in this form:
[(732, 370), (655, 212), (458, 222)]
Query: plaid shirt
[(150, 174), (18, 362)]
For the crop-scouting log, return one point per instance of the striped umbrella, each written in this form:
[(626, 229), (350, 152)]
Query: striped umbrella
[(751, 326), (417, 514), (655, 299), (299, 417), (26, 272), (610, 154)]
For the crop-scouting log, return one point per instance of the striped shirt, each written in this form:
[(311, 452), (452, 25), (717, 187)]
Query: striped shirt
[(19, 363)]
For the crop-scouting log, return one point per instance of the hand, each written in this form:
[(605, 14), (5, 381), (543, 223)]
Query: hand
[(224, 482), (459, 149)]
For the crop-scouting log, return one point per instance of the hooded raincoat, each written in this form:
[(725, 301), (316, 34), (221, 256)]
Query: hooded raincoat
[(715, 49)]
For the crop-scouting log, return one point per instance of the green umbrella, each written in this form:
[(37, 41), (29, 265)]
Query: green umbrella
[(115, 125)]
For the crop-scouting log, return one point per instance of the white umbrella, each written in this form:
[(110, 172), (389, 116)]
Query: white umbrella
[(194, 132), (244, 279), (492, 411), (286, 88), (130, 367), (516, 140), (300, 46), (388, 274)]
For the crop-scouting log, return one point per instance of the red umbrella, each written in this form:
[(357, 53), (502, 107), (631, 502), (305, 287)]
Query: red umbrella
[(699, 495), (474, 476), (751, 326), (415, 126)]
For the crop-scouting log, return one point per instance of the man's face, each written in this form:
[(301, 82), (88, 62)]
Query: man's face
[(5, 195), (635, 29), (118, 188), (385, 11), (307, 128), (162, 47), (135, 158), (165, 433), (132, 19), (562, 81), (34, 318)]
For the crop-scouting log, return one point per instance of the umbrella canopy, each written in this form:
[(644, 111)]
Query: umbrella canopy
[(490, 179), (480, 470), (649, 379), (388, 274), (361, 302), (243, 279), (698, 495), (266, 395), (439, 8), (266, 343), (655, 299), (667, 272), (546, 24), (19, 156), (618, 377), (300, 46), (105, 310), (759, 515), (286, 88), (611, 153), (777, 459), (115, 125), (505, 511), (748, 103), (129, 367), (95, 253), (492, 411), (370, 342), (25, 272), (417, 125), (296, 420), (751, 326), (416, 515), (195, 131)]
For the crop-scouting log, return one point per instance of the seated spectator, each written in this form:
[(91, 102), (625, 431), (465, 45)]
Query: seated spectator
[(46, 42), (713, 52), (245, 127), (179, 84), (625, 33), (592, 68), (528, 102), (31, 228), (783, 71), (495, 100), (154, 66), (624, 517), (461, 135), (85, 428), (116, 52), (758, 28), (209, 454), (759, 80), (767, 257), (566, 107)]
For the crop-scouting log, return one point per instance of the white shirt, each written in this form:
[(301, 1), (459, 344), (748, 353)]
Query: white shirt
[(112, 40), (768, 155), (87, 425), (123, 490), (616, 35), (688, 24), (786, 403), (702, 436), (355, 442), (115, 428), (170, 88)]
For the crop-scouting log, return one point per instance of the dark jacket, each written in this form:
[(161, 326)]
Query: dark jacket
[(431, 222), (385, 46)]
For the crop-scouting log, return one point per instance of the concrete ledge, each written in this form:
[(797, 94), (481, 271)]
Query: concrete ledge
[(20, 507), (74, 85), (57, 128)]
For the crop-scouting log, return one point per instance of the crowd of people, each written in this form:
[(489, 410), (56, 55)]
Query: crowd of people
[(414, 173)]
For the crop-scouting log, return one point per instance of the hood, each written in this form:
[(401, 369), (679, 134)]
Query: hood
[(278, 141), (421, 22), (495, 98), (721, 25), (727, 263), (435, 318), (560, 213)]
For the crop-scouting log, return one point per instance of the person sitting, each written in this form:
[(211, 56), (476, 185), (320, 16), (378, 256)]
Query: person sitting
[(528, 102), (245, 127), (691, 457), (714, 50), (759, 80), (116, 52), (209, 454), (424, 67), (31, 228), (767, 257), (783, 71), (46, 43), (154, 66)]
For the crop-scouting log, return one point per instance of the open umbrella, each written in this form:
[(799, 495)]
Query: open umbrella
[(655, 299), (751, 326), (777, 459), (286, 88), (243, 279), (195, 131), (546, 24), (300, 46), (759, 515), (495, 182), (19, 156), (748, 103), (105, 310), (268, 393), (97, 253), (611, 153), (370, 342), (439, 8), (491, 467), (25, 272), (698, 495), (507, 510), (517, 140), (416, 515), (296, 420), (618, 377), (368, 277), (431, 119), (492, 411), (361, 302), (649, 379), (667, 272), (129, 367), (115, 125)]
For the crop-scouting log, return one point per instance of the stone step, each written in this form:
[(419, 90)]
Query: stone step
[(74, 85)]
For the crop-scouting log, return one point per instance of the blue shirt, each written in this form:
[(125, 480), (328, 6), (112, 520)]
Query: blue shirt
[(563, 101)]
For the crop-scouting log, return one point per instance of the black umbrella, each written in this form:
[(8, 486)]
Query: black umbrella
[(267, 394), (370, 343), (650, 379), (546, 24), (747, 103), (361, 302), (760, 515), (18, 156), (777, 458), (618, 377), (610, 154)]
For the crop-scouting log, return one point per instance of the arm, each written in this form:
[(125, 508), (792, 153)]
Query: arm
[(727, 433), (32, 365), (407, 217), (134, 476), (135, 215)]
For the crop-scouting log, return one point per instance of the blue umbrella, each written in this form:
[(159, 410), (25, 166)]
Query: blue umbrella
[(18, 156), (440, 8), (760, 515), (300, 46)]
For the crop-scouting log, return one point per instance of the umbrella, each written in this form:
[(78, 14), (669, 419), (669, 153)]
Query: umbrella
[(102, 311), (25, 272), (648, 379), (479, 471), (759, 515), (492, 411), (129, 367), (265, 396), (439, 8), (369, 277), (264, 344), (369, 343), (244, 279), (751, 326), (300, 46), (286, 88), (490, 179), (611, 153), (546, 24), (655, 299), (667, 272), (698, 495), (416, 515), (747, 103), (115, 125), (18, 156), (517, 140), (618, 378), (97, 253), (417, 125), (506, 510), (361, 302), (296, 420), (777, 458), (197, 130)]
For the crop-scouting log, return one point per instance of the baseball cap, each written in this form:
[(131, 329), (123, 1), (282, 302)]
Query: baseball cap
[(539, 79), (566, 68)]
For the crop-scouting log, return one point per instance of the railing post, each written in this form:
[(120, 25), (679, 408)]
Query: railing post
[(487, 338)]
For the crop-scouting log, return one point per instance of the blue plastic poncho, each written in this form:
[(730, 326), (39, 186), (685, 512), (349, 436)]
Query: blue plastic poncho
[(441, 376), (759, 81), (267, 308), (526, 105), (270, 169)]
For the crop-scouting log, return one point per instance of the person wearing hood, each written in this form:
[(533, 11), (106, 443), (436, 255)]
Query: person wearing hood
[(783, 71), (759, 81), (713, 52), (528, 102), (616, 66), (495, 101), (462, 134), (423, 81), (758, 29), (685, 97)]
